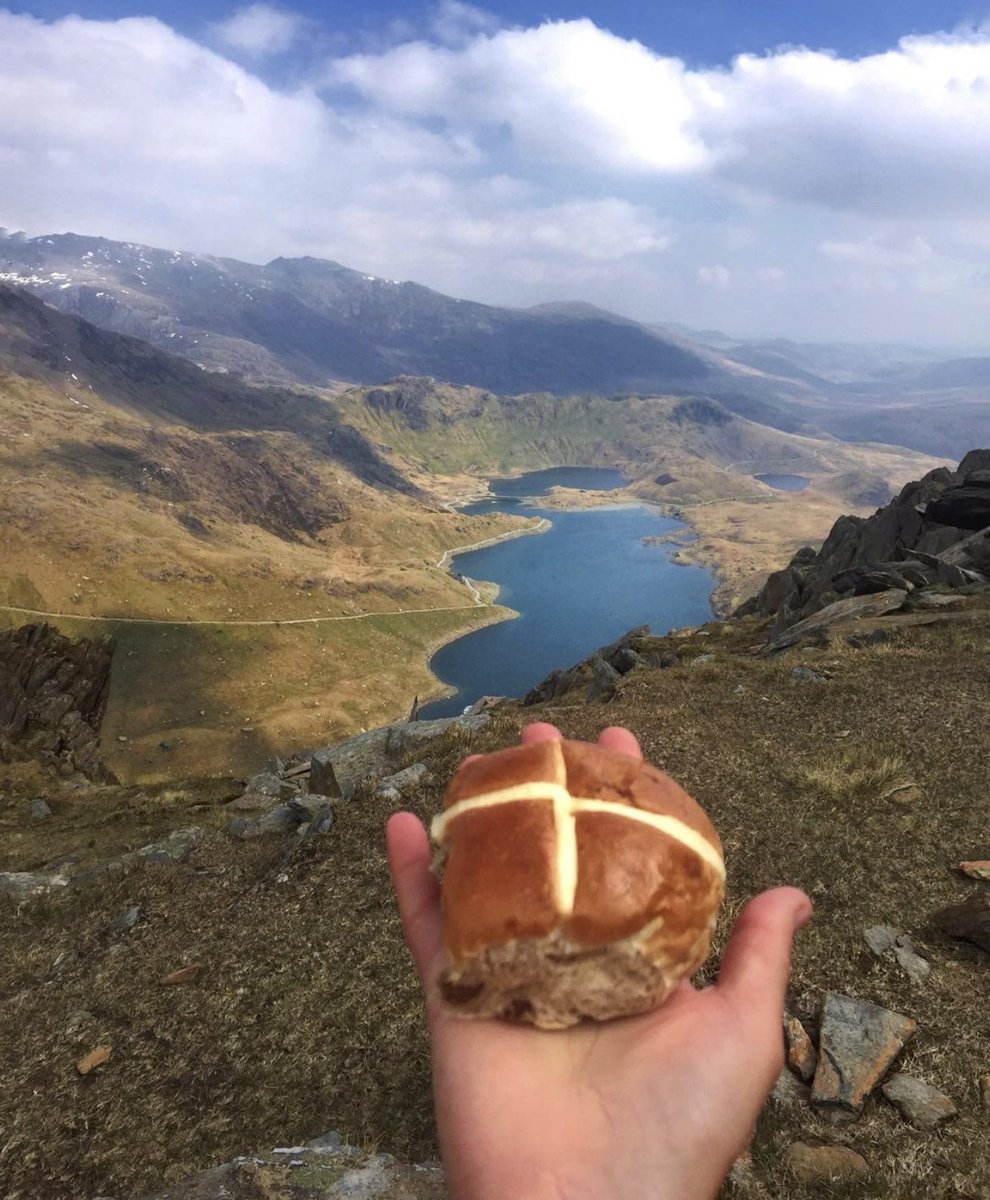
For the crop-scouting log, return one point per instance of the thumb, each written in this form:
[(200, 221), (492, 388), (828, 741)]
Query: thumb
[(757, 961)]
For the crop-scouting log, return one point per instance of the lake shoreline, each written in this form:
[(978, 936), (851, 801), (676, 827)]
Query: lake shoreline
[(485, 668)]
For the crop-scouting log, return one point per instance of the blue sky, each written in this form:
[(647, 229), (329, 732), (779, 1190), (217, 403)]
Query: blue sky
[(817, 170), (703, 32)]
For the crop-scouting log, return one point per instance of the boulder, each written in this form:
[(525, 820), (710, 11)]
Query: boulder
[(858, 1043), (976, 869), (920, 1103), (604, 679), (265, 790), (852, 609), (336, 771), (966, 506)]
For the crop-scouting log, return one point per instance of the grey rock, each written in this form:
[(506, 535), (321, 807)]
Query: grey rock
[(370, 755), (702, 658), (874, 637), (316, 814), (177, 847), (878, 551), (910, 961), (283, 818), (806, 675), (126, 921), (322, 775), (40, 810), (857, 1044), (881, 938), (243, 828), (25, 885), (263, 791), (402, 780), (920, 1103), (604, 679), (887, 942), (852, 609), (625, 659)]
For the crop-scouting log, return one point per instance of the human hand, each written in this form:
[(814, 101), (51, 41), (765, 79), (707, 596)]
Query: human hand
[(651, 1107)]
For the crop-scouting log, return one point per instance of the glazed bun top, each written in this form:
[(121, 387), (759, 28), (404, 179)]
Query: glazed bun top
[(570, 836)]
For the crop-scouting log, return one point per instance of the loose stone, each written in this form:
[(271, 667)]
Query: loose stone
[(811, 1164), (802, 1057), (919, 1102)]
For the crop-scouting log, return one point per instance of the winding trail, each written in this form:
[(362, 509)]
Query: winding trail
[(479, 601)]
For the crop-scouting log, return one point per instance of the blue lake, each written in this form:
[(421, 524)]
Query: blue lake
[(536, 483), (785, 483), (578, 586)]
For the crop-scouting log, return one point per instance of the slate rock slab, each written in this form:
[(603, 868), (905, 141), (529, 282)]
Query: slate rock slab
[(857, 1045), (920, 1103), (811, 1164)]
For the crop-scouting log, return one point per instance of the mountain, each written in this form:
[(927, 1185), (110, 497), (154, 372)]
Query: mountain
[(314, 321), (306, 320)]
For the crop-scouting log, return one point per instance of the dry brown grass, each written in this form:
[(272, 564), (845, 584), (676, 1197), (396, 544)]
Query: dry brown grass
[(307, 1014)]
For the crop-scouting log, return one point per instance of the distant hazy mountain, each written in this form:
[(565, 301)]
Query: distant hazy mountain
[(309, 321), (314, 321)]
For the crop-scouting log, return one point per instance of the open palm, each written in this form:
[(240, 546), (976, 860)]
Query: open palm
[(641, 1108)]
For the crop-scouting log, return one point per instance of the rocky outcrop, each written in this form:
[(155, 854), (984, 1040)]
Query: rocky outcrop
[(53, 696), (924, 536)]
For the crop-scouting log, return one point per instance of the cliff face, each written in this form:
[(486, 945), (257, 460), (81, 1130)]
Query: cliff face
[(931, 532), (53, 694)]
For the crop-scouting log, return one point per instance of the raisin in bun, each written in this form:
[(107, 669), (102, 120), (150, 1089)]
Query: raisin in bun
[(576, 883)]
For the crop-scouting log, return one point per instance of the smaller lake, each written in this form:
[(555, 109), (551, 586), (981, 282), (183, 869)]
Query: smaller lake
[(784, 483), (537, 483)]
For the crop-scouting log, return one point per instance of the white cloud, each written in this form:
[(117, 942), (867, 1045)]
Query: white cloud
[(567, 91), (795, 192), (259, 29), (454, 23)]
